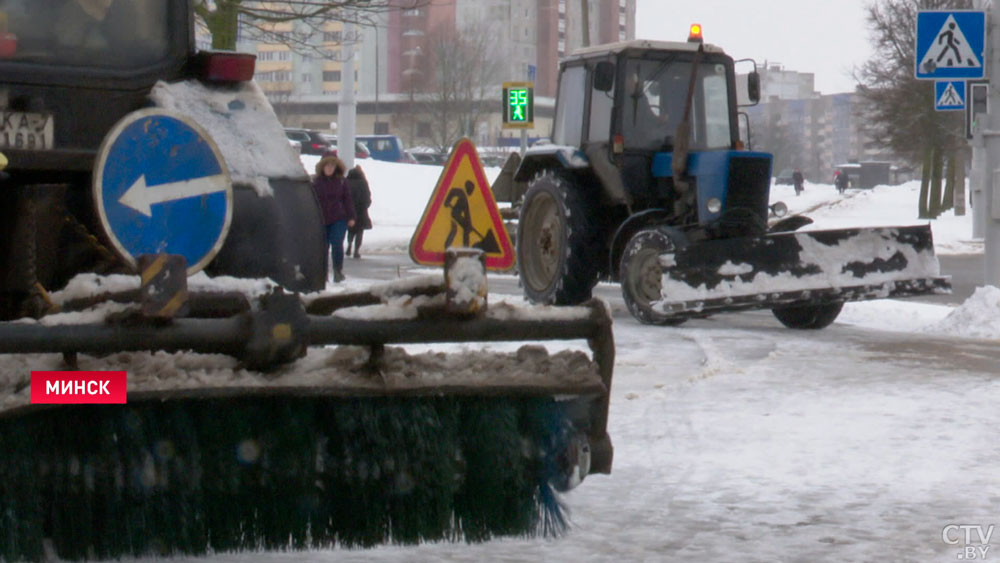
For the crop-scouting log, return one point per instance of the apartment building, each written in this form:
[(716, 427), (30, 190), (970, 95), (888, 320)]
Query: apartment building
[(806, 129), (393, 52)]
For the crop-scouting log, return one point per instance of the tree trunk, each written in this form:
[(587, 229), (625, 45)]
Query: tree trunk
[(934, 201), (958, 197), (925, 178), (948, 200), (223, 24)]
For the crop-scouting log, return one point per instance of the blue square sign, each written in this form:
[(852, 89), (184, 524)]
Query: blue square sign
[(951, 44), (949, 95)]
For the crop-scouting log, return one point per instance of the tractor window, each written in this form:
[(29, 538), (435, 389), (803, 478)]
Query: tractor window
[(716, 108), (100, 33), (601, 106), (568, 128), (655, 93)]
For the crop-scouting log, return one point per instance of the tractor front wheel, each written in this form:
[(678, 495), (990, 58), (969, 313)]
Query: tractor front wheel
[(558, 246)]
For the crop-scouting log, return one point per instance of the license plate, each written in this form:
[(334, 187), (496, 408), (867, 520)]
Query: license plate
[(23, 130)]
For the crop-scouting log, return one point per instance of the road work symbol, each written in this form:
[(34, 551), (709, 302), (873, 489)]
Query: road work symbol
[(950, 44), (161, 186), (949, 95), (462, 212), (458, 201)]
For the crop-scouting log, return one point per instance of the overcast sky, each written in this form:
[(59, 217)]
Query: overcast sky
[(825, 37)]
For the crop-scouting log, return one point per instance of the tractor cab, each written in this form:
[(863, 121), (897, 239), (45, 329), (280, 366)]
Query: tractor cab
[(639, 94), (72, 68)]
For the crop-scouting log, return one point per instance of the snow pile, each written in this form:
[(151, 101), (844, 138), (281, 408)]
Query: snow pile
[(879, 206), (893, 315), (241, 122), (466, 280), (397, 308), (978, 317)]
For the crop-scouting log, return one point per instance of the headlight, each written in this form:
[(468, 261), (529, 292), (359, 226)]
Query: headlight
[(779, 209), (714, 205)]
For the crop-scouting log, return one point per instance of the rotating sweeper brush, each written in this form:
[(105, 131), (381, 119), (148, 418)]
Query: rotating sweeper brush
[(356, 445)]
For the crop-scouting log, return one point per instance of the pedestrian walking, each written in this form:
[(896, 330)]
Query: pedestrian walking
[(798, 180), (841, 181), (338, 210), (361, 195)]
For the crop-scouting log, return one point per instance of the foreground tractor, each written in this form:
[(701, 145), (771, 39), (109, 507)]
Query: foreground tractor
[(646, 182), (131, 162)]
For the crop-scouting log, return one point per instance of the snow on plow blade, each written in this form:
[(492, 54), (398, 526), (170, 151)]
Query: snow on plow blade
[(812, 267)]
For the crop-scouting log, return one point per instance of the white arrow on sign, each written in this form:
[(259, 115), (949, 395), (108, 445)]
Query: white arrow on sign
[(141, 197)]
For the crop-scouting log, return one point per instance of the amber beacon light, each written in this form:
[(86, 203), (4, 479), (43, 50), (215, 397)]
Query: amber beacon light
[(694, 35)]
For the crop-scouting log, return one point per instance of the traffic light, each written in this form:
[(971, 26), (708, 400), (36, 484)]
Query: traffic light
[(977, 105), (518, 105)]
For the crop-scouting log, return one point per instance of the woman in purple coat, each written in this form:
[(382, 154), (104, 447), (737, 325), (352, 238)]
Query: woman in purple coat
[(338, 210)]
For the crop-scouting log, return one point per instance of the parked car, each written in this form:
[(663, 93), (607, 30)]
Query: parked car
[(784, 177), (312, 141), (360, 150), (386, 147), (434, 158)]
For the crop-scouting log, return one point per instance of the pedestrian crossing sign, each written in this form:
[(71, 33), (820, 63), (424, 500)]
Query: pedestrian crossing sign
[(462, 212), (949, 95), (951, 44)]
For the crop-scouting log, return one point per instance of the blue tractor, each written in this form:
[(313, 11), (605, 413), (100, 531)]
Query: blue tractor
[(647, 182)]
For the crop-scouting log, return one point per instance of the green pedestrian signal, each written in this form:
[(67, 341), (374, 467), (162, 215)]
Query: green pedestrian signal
[(518, 111)]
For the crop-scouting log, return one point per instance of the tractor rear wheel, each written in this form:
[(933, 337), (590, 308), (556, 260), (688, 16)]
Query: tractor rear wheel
[(641, 275), (805, 317), (558, 246), (812, 317)]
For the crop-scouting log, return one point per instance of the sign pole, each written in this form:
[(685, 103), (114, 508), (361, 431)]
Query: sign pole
[(976, 181), (991, 179), (978, 166), (347, 109)]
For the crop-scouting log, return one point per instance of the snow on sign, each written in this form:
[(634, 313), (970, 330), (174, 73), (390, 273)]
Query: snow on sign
[(949, 95), (462, 213), (161, 186), (950, 44)]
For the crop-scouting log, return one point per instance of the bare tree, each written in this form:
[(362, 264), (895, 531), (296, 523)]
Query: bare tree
[(899, 109), (462, 82), (225, 19)]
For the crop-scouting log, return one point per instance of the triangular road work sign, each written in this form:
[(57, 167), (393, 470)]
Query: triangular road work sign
[(462, 213), (950, 49)]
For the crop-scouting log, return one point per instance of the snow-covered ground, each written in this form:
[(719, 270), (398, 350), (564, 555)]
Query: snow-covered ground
[(739, 440)]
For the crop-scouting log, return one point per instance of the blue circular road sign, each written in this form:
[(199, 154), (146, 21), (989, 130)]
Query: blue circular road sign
[(161, 186)]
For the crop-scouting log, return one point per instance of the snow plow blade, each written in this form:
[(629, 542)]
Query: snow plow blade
[(801, 268), (357, 445)]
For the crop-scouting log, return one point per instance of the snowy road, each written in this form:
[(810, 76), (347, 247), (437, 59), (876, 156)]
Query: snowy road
[(738, 440)]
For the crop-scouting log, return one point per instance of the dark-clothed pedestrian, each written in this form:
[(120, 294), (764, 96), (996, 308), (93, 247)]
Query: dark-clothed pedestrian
[(361, 195), (841, 181), (338, 210), (798, 180)]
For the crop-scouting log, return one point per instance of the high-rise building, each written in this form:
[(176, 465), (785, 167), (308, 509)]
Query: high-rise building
[(561, 31), (393, 53)]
